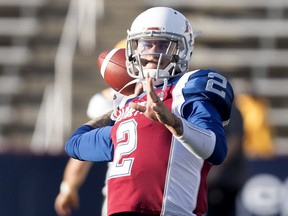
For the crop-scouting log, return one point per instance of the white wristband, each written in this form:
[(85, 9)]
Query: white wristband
[(65, 188)]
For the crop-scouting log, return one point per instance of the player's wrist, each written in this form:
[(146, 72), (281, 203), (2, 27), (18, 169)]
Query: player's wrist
[(65, 188), (175, 126)]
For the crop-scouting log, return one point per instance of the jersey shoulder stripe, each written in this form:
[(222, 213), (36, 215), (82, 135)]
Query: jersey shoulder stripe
[(210, 85)]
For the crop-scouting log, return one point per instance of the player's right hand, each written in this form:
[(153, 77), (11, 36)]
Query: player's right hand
[(65, 203)]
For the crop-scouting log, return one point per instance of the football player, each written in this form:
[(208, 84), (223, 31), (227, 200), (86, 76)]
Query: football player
[(164, 141)]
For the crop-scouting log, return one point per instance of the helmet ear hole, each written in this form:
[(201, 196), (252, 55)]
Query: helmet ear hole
[(175, 58), (131, 58)]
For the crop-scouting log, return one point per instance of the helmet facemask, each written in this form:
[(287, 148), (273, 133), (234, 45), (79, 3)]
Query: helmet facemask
[(174, 35), (170, 55)]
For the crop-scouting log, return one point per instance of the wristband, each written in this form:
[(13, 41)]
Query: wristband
[(65, 188)]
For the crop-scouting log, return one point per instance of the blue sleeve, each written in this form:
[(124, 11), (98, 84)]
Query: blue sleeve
[(90, 144), (214, 87), (204, 114)]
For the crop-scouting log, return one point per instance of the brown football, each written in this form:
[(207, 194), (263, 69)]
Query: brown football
[(112, 66)]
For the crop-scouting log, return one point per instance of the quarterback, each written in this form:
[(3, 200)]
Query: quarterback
[(163, 141)]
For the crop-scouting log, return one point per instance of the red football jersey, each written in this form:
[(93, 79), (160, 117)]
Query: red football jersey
[(148, 172)]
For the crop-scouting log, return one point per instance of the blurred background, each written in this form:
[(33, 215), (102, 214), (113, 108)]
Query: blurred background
[(49, 72)]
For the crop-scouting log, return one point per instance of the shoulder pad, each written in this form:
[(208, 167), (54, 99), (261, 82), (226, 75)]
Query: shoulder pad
[(212, 86)]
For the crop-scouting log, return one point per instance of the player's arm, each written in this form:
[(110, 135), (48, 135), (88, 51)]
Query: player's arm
[(203, 132), (101, 121), (91, 142), (74, 175), (199, 141), (208, 100)]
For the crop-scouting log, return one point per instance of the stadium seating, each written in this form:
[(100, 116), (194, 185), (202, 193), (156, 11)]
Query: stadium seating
[(245, 40)]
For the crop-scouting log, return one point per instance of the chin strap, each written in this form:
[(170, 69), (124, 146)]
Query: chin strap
[(118, 96), (161, 94)]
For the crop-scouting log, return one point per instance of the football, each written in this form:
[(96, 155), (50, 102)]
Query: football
[(112, 66)]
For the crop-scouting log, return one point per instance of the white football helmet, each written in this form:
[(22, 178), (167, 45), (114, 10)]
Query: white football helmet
[(173, 34)]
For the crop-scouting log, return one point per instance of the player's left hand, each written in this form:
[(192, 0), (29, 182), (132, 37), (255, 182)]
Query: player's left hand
[(65, 203)]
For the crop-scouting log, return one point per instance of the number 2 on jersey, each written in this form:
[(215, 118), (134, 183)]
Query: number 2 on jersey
[(127, 143), (212, 82)]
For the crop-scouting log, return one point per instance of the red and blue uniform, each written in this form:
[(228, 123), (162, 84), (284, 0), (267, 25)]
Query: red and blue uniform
[(152, 171)]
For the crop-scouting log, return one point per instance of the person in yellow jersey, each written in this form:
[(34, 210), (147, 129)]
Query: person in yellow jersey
[(258, 139), (258, 131), (76, 171)]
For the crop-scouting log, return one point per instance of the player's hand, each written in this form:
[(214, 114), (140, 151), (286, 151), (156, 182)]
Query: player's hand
[(65, 203), (154, 108), (138, 88)]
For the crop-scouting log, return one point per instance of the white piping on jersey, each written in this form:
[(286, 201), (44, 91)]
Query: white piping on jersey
[(182, 182)]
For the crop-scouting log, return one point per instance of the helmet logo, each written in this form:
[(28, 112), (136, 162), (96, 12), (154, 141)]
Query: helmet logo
[(187, 27), (153, 28)]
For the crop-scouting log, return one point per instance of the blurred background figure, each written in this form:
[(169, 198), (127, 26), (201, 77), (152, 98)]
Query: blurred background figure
[(259, 134), (259, 137)]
